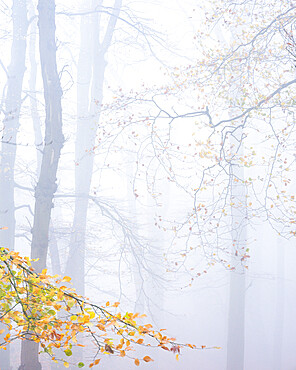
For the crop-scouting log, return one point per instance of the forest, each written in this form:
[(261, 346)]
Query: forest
[(147, 200)]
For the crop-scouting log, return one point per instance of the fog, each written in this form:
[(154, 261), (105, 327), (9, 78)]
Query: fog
[(148, 152)]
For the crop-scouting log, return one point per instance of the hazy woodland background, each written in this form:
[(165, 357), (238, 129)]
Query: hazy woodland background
[(128, 222)]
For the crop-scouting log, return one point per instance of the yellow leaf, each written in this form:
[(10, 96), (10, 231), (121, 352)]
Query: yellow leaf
[(66, 279), (92, 315), (66, 364)]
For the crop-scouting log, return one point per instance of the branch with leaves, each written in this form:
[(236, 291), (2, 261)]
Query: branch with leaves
[(40, 308)]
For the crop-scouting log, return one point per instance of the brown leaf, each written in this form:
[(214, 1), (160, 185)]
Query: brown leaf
[(175, 349), (108, 348)]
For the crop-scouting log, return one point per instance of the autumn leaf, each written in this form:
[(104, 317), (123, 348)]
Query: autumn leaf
[(108, 348), (92, 315), (147, 359), (137, 362), (66, 279), (175, 349), (68, 352)]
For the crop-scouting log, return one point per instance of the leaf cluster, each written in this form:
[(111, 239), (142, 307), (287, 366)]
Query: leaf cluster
[(43, 309)]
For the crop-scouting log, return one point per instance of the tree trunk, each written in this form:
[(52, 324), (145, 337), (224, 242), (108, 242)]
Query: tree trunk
[(12, 107), (279, 304), (236, 321), (236, 311), (54, 139), (32, 85), (53, 143), (89, 100)]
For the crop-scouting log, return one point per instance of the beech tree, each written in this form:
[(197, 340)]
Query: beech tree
[(12, 102), (90, 78), (244, 88), (53, 142)]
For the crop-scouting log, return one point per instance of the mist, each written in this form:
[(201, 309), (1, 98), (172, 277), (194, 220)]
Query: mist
[(147, 155)]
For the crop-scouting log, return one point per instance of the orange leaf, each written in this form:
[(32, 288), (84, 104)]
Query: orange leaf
[(147, 359), (140, 341), (97, 361), (137, 362)]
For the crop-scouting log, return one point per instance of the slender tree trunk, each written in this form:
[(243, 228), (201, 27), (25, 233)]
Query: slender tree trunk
[(236, 321), (236, 311), (15, 75), (53, 244), (53, 143), (54, 139), (90, 79), (89, 100), (83, 160), (279, 304), (156, 280), (12, 107), (32, 86)]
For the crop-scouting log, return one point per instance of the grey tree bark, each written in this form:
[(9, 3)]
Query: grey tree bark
[(53, 144), (89, 98), (279, 304), (32, 86), (236, 310), (12, 107), (53, 244), (238, 237)]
